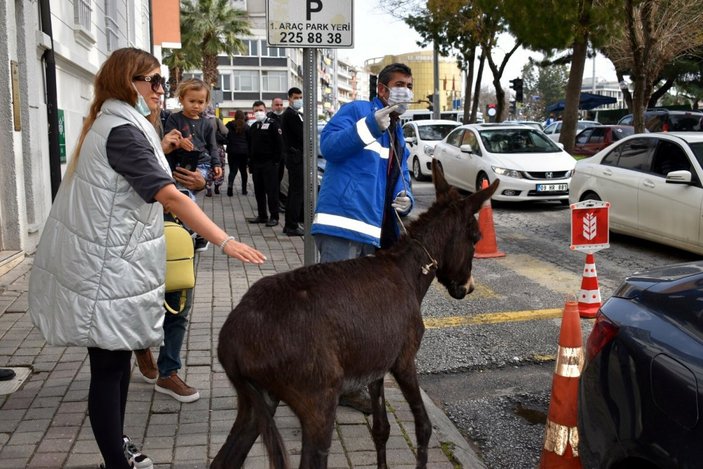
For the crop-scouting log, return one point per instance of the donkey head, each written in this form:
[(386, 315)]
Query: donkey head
[(462, 233)]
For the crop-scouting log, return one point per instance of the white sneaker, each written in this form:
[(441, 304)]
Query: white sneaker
[(134, 456)]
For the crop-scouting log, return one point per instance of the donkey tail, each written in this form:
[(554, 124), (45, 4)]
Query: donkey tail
[(265, 407)]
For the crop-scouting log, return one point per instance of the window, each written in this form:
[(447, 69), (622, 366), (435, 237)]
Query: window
[(408, 132), (111, 25), (246, 80), (251, 48), (598, 135), (274, 81), (669, 157), (582, 138), (636, 154), (454, 139), (470, 139), (267, 51), (189, 75), (226, 82), (82, 13)]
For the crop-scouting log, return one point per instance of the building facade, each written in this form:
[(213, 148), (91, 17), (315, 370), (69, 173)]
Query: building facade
[(50, 51), (422, 65)]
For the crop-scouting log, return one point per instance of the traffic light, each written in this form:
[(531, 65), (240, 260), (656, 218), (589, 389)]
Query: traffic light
[(373, 85), (513, 108), (516, 84), (430, 100)]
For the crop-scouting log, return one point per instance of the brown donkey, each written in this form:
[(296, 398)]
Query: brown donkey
[(306, 336)]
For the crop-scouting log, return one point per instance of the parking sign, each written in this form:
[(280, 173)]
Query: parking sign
[(589, 226), (326, 24)]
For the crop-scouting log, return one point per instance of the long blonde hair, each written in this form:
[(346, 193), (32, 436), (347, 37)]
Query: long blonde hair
[(115, 81)]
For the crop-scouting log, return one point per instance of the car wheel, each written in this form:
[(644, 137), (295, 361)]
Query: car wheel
[(417, 172), (479, 181), (590, 195)]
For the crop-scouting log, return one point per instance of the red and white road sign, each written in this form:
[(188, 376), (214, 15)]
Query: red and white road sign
[(589, 226)]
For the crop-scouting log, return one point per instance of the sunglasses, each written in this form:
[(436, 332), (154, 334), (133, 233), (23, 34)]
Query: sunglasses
[(156, 81)]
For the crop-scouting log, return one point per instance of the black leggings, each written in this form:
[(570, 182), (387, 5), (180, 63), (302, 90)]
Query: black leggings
[(107, 401), (237, 162)]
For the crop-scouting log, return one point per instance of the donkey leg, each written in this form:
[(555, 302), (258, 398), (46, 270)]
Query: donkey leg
[(244, 432), (381, 429), (405, 375), (316, 413)]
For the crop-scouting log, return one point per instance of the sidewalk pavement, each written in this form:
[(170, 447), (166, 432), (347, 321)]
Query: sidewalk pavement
[(44, 422)]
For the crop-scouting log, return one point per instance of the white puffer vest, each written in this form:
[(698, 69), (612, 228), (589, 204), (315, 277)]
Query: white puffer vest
[(98, 274)]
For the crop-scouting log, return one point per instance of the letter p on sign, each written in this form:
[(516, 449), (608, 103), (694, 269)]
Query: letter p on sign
[(589, 226), (313, 6)]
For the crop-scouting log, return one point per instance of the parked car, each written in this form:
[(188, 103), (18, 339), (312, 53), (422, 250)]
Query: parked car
[(593, 139), (664, 120), (420, 138), (553, 130), (528, 164), (641, 395), (653, 183)]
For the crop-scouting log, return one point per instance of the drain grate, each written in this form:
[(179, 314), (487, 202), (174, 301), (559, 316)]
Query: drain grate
[(10, 386)]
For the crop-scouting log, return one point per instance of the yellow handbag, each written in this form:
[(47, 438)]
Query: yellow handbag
[(180, 270)]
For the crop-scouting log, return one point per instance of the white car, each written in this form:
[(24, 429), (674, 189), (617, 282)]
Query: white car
[(653, 184), (529, 165), (553, 130), (420, 138)]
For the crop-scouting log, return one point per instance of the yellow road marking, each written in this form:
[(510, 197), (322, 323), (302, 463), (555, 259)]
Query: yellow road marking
[(493, 318)]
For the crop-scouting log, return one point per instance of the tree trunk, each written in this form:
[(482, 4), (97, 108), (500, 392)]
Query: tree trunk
[(627, 96), (210, 74), (467, 88), (477, 88), (573, 85)]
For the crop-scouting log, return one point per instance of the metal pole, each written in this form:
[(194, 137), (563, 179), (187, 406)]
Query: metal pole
[(310, 149), (435, 97)]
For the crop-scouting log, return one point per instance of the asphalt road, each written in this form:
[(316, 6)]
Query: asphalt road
[(488, 360)]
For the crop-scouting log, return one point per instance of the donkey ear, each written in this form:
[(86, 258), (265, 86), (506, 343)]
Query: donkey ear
[(475, 200), (440, 184)]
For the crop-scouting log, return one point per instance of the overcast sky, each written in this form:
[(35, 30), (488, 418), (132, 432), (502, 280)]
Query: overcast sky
[(377, 34)]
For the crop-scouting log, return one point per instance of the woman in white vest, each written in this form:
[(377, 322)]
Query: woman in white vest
[(98, 274)]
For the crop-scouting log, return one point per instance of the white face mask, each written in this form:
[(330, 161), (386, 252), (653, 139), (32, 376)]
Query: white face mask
[(400, 94), (141, 106), (297, 104), (278, 112), (259, 116)]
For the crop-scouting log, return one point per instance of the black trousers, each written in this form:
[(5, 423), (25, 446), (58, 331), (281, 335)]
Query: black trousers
[(237, 162), (294, 205), (107, 401), (266, 189)]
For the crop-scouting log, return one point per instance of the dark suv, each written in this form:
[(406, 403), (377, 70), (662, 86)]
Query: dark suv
[(664, 120)]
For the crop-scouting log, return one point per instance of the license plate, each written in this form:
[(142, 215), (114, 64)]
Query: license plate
[(552, 187)]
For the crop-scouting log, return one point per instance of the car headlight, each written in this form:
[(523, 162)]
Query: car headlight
[(569, 174), (513, 173), (429, 150)]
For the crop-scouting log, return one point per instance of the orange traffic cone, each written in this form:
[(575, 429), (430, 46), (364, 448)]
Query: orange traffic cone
[(561, 436), (487, 246), (589, 295)]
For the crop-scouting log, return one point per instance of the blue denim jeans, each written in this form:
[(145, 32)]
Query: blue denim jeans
[(334, 248), (174, 331)]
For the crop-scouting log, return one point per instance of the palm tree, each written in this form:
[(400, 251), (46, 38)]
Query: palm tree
[(178, 61), (209, 28)]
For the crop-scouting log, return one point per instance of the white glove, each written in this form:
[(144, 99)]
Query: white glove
[(402, 202), (383, 117)]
